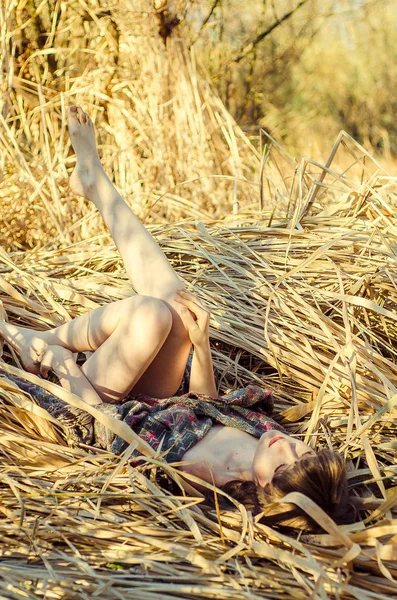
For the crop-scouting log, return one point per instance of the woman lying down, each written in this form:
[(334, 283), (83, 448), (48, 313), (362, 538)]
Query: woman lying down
[(140, 347)]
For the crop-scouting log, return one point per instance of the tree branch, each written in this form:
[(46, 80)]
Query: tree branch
[(204, 23), (261, 36)]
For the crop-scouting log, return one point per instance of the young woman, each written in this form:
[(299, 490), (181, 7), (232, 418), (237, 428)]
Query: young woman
[(141, 345)]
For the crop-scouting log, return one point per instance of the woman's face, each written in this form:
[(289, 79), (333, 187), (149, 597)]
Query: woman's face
[(276, 451)]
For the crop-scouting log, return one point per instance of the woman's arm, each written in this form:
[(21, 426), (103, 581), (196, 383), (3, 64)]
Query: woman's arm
[(196, 320), (202, 380), (61, 361)]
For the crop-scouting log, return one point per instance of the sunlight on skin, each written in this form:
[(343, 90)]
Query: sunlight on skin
[(276, 450), (226, 453), (151, 358), (26, 343)]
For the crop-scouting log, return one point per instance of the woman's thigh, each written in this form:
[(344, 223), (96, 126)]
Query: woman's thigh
[(146, 353), (163, 376)]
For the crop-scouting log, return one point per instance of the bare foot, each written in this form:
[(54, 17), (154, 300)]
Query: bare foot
[(27, 343), (88, 164)]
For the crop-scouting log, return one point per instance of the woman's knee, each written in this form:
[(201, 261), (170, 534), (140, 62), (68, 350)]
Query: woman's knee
[(148, 311)]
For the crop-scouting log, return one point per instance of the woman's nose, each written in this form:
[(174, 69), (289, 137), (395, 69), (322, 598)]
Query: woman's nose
[(288, 451)]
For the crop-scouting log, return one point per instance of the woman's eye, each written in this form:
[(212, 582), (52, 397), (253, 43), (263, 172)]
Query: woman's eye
[(278, 468), (309, 453)]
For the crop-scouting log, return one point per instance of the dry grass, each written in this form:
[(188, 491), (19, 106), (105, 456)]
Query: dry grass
[(164, 136), (80, 522), (302, 295)]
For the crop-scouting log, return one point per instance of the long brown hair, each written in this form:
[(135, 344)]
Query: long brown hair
[(321, 478)]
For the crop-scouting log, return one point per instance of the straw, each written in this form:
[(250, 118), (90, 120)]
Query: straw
[(302, 295)]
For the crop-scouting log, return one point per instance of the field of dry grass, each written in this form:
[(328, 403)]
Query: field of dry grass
[(164, 136), (297, 262), (330, 66)]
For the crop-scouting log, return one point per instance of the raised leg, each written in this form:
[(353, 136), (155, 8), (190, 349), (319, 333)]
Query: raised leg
[(146, 350), (147, 266)]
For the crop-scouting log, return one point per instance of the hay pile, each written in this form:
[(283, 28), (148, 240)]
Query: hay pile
[(164, 136), (302, 296), (306, 306)]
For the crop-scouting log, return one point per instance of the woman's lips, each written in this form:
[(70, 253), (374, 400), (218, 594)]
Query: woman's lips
[(275, 439)]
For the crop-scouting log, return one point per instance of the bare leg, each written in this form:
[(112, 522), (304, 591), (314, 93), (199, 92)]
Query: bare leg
[(146, 350), (85, 333), (120, 362), (147, 266), (126, 337), (60, 360)]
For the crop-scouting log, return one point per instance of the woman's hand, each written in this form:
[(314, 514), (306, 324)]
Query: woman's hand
[(61, 361), (54, 359), (195, 317)]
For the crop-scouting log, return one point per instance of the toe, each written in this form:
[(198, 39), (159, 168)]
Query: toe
[(72, 112), (82, 117), (72, 118)]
